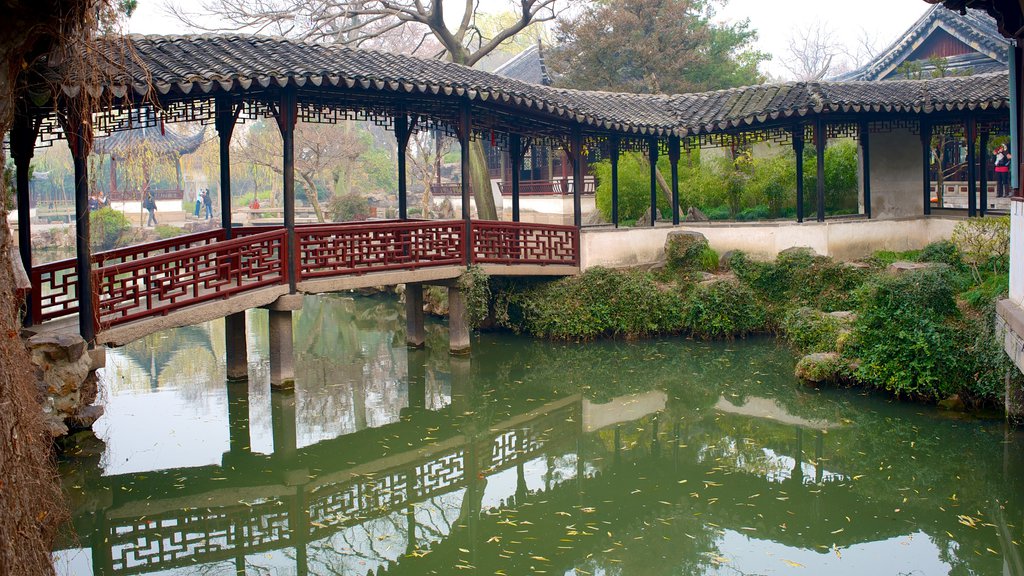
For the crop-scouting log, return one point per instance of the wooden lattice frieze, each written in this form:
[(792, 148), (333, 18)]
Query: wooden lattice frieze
[(886, 126), (517, 243)]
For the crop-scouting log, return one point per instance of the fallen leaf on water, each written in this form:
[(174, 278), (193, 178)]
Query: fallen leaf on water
[(793, 564)]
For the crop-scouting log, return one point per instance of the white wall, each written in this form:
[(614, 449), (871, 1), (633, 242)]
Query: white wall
[(896, 174)]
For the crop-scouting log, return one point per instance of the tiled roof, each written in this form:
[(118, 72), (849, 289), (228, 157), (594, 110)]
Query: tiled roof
[(527, 66), (194, 66), (974, 29), (162, 142)]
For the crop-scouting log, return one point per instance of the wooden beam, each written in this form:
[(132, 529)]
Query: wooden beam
[(798, 151), (673, 155), (864, 133)]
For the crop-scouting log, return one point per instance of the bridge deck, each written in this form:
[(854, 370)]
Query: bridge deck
[(150, 287)]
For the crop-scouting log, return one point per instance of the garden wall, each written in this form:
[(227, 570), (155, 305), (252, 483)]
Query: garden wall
[(840, 239)]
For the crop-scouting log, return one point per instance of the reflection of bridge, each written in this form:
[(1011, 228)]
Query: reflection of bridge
[(295, 504)]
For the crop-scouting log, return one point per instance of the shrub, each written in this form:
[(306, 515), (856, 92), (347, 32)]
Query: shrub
[(722, 309), (106, 228), (599, 302), (348, 207), (812, 330), (163, 231), (685, 251), (634, 188), (476, 288), (901, 337), (983, 242), (942, 252)]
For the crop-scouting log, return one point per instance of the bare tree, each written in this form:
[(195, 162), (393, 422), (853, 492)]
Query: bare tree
[(813, 54), (360, 23)]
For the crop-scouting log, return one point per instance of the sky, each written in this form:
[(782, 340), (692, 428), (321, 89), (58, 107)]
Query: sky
[(775, 20)]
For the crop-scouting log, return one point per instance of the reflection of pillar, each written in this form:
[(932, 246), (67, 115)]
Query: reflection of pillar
[(298, 523), (462, 385), (417, 378), (798, 458), (819, 454), (458, 322), (359, 404), (655, 444), (414, 334), (282, 422), (237, 356), (618, 445), (520, 483), (238, 417), (410, 530)]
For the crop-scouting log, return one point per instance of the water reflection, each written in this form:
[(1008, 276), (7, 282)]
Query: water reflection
[(668, 457)]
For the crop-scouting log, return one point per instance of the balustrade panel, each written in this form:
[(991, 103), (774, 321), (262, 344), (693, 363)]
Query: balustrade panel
[(521, 243)]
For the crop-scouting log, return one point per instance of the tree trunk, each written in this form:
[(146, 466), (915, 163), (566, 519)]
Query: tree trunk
[(480, 182), (663, 185), (312, 194)]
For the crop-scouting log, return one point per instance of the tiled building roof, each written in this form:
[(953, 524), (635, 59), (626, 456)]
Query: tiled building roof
[(974, 29), (161, 142), (184, 67), (527, 66)]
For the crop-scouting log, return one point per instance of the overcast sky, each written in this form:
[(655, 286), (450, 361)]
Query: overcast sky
[(775, 20)]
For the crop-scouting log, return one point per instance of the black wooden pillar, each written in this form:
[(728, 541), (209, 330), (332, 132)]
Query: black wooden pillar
[(820, 140), (465, 130), (983, 171), (577, 175), (515, 156), (286, 122), (23, 143), (673, 156), (926, 162), (225, 124), (864, 134), (652, 158), (613, 145), (798, 151), (402, 136), (970, 135), (79, 134)]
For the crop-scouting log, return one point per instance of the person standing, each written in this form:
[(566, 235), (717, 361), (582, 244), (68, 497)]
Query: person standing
[(208, 203), (199, 203), (150, 205), (1002, 162)]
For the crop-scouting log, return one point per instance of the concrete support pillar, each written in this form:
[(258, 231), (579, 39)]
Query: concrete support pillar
[(458, 322), (235, 335), (414, 333), (282, 348), (282, 353)]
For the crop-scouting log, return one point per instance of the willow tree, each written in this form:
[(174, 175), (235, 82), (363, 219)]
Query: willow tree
[(363, 23)]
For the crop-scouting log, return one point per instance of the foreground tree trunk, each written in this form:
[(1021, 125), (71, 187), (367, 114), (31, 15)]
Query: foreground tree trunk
[(480, 181)]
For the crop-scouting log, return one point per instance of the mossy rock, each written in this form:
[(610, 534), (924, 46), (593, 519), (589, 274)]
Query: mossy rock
[(821, 368), (683, 249), (812, 330)]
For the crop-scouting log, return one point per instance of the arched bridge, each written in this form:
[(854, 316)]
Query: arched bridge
[(197, 277)]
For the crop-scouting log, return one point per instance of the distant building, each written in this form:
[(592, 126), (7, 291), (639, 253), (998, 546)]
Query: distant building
[(971, 42)]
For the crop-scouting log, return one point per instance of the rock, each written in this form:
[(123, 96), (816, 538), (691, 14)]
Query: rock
[(85, 417), (57, 347), (645, 220), (805, 251), (66, 384), (683, 249), (594, 218), (844, 315), (693, 214), (820, 367), (953, 403), (903, 266), (725, 260)]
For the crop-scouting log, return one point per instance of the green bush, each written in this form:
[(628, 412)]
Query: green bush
[(476, 288), (800, 277), (722, 309), (106, 228), (942, 252), (687, 252), (901, 336), (348, 208), (163, 231), (599, 302), (811, 330), (983, 243)]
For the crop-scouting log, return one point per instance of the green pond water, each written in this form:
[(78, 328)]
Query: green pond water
[(609, 458)]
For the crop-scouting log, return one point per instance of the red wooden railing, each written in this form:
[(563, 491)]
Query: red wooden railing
[(55, 285), (518, 243), (357, 248), (158, 284), (553, 187), (156, 278)]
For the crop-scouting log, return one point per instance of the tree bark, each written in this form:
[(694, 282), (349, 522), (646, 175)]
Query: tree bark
[(312, 195), (663, 185), (480, 182)]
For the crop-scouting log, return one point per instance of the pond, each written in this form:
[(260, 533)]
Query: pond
[(608, 458)]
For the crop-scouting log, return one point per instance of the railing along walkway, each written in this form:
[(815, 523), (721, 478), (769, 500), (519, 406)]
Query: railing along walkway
[(159, 277)]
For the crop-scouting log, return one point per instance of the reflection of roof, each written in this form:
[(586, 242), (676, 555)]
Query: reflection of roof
[(527, 66), (770, 410), (200, 67), (975, 41), (163, 142)]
